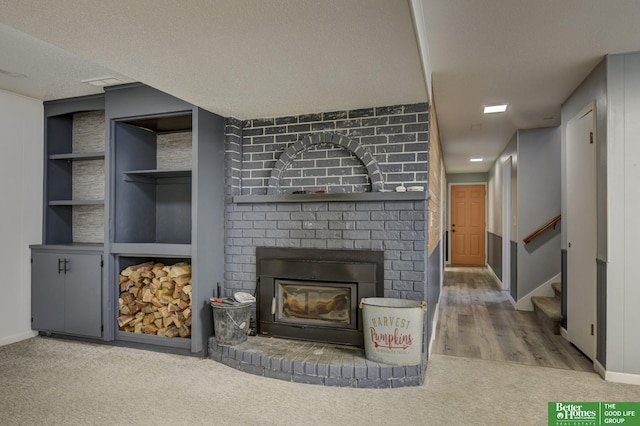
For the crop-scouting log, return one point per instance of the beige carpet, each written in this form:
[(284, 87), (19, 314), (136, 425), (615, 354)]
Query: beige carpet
[(48, 381)]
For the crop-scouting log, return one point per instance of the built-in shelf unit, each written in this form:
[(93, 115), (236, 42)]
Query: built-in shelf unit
[(132, 175)]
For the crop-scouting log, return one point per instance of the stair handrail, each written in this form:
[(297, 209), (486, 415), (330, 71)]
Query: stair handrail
[(537, 232)]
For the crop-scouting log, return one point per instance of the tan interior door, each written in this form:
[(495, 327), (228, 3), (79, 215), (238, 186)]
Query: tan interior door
[(467, 224)]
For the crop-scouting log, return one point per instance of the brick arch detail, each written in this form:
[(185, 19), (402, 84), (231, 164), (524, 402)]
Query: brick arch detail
[(361, 152)]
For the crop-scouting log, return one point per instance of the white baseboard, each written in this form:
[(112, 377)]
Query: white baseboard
[(493, 274), (434, 328), (564, 333), (630, 379), (17, 337), (524, 304), (599, 369)]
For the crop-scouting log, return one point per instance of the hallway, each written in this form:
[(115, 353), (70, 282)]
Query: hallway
[(477, 320)]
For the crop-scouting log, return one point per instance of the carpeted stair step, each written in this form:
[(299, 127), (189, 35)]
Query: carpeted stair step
[(557, 290), (549, 311)]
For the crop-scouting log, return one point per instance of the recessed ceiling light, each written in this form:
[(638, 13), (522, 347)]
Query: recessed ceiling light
[(102, 81), (491, 109), (475, 160)]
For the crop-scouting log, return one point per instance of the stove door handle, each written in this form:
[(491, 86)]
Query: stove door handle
[(273, 306)]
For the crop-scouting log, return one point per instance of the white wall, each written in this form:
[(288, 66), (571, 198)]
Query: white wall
[(538, 202), (623, 179), (494, 189), (21, 141)]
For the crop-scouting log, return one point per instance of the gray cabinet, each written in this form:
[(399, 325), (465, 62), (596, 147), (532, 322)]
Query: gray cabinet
[(66, 292)]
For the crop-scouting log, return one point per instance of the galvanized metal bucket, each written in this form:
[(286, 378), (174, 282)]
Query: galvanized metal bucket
[(393, 330)]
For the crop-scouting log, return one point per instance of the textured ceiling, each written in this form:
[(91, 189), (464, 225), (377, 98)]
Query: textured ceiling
[(529, 54), (257, 58), (243, 58)]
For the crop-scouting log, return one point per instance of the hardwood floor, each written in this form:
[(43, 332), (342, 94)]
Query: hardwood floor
[(477, 320)]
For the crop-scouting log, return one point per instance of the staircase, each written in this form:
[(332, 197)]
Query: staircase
[(549, 310)]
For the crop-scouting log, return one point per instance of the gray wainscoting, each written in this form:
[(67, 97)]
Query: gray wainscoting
[(601, 309), (494, 253)]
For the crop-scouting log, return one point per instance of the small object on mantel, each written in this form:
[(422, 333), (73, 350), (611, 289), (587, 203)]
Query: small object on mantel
[(299, 192), (321, 191), (415, 188), (401, 189)]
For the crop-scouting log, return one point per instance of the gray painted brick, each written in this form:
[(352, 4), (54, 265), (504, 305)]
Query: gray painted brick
[(310, 368), (370, 225), (412, 215), (275, 364), (286, 207), (328, 234), (370, 206), (374, 384), (330, 216), (342, 224), (289, 224), (340, 244), (278, 216), (298, 367), (251, 369), (302, 233), (398, 245), (287, 366), (230, 362), (352, 215), (402, 285), (342, 206), (278, 233), (303, 216), (386, 372), (403, 225), (315, 224), (312, 380), (385, 215), (356, 235), (398, 205), (264, 224), (280, 375), (340, 381), (412, 276), (315, 207), (412, 235), (385, 235), (368, 245), (323, 370), (402, 265), (334, 115), (319, 244), (254, 233)]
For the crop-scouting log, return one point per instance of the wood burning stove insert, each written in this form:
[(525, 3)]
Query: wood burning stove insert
[(313, 294)]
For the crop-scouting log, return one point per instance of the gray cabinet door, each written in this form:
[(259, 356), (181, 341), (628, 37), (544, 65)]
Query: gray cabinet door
[(47, 292), (66, 293), (82, 295)]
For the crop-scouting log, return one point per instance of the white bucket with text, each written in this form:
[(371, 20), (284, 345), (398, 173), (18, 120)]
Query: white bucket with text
[(393, 330)]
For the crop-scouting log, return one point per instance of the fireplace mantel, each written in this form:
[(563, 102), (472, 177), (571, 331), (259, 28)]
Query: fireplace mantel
[(315, 198)]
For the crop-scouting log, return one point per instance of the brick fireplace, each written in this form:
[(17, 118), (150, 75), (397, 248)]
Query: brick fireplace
[(325, 181)]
